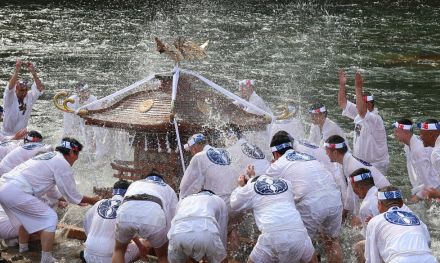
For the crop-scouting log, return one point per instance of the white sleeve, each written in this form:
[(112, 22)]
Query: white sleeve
[(54, 193), (372, 254), (8, 97), (241, 197), (350, 110), (275, 169), (315, 134), (193, 179), (89, 217), (223, 222), (35, 93), (435, 158), (67, 186)]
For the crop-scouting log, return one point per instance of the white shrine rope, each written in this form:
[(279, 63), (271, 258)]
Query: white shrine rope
[(122, 91), (176, 76)]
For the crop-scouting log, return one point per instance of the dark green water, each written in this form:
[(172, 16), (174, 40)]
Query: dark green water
[(292, 48)]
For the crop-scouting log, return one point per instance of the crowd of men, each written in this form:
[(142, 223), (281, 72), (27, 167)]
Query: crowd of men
[(298, 200)]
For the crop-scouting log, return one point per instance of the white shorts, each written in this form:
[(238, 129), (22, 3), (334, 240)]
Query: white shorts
[(141, 219), (131, 254), (415, 258), (283, 246), (326, 220), (7, 230), (27, 210), (196, 245)]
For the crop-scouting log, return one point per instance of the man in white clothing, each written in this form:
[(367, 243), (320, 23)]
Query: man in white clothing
[(316, 195), (337, 151), (146, 212), (420, 170), (396, 234), (370, 138), (435, 155), (17, 102), (283, 236), (25, 184), (322, 127), (199, 229), (32, 146), (99, 225), (210, 168), (247, 92)]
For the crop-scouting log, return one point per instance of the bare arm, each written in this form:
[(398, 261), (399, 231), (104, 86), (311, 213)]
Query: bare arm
[(342, 94), (90, 200), (14, 77), (361, 105), (37, 80)]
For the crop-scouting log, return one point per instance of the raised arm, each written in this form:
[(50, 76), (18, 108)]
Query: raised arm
[(14, 77), (361, 105), (342, 94), (37, 80)]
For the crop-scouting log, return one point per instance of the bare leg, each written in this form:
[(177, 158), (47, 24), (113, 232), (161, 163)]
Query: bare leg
[(47, 239), (333, 249), (162, 253), (119, 252), (314, 259), (23, 235), (359, 250)]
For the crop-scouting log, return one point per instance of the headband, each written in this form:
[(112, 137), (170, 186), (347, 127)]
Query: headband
[(70, 145), (335, 145), (368, 98), (119, 191), (428, 126), (361, 177), (31, 139), (319, 110), (279, 147), (406, 127), (389, 195), (246, 82), (196, 138)]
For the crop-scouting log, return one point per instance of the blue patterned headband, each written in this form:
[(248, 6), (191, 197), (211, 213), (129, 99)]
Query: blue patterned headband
[(389, 195), (361, 177), (119, 191), (279, 147)]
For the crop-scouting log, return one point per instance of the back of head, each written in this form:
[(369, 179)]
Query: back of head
[(388, 197), (281, 142), (120, 187), (33, 136), (337, 143), (155, 177), (68, 144)]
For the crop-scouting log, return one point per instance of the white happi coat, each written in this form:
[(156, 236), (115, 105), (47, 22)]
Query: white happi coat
[(397, 236), (99, 225), (202, 213), (272, 201), (329, 128), (7, 230), (435, 156), (424, 171), (14, 119), (22, 154), (7, 146), (334, 168), (209, 169), (146, 212), (368, 208), (243, 153), (351, 164), (370, 138), (414, 178)]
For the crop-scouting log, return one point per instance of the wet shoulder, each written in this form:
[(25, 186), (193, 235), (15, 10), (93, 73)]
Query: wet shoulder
[(402, 218), (218, 156), (307, 144), (107, 208), (45, 156), (33, 145), (294, 156), (252, 151), (363, 162)]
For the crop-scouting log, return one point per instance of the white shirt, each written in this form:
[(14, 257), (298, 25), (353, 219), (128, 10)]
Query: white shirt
[(22, 154), (209, 169), (243, 153), (14, 119), (99, 225), (435, 156), (272, 202), (421, 161), (259, 102), (370, 143), (137, 209), (351, 164), (396, 233), (368, 208), (414, 178), (308, 177), (329, 128), (40, 175), (7, 146), (201, 212)]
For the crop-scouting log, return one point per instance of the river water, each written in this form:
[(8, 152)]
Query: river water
[(292, 48)]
